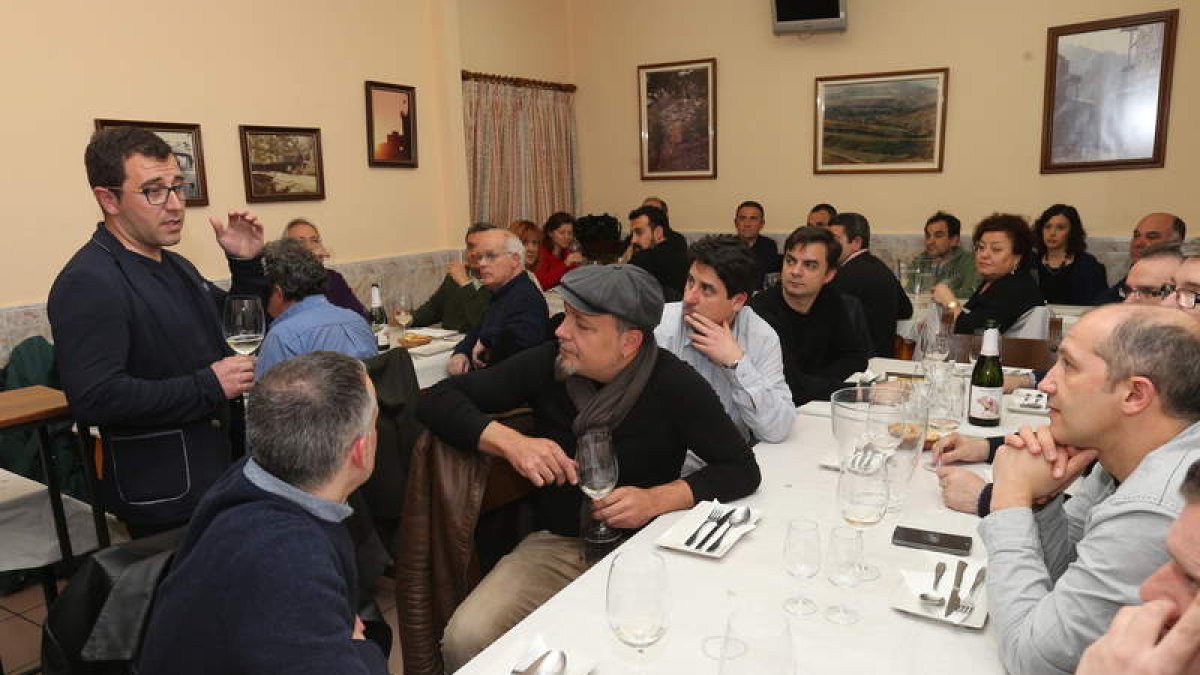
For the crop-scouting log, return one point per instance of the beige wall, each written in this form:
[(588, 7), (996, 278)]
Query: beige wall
[(222, 63), (517, 38), (996, 56)]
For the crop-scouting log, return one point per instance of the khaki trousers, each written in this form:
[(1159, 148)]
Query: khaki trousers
[(540, 566)]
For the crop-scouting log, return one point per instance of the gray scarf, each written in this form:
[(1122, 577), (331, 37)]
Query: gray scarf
[(604, 407)]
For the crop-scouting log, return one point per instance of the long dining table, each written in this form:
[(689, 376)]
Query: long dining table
[(794, 485)]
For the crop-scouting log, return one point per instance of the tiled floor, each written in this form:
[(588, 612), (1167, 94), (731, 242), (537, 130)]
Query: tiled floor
[(22, 613)]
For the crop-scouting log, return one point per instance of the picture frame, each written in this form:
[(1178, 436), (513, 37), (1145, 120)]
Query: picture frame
[(391, 124), (892, 122), (186, 144), (1108, 93), (282, 164), (677, 115)]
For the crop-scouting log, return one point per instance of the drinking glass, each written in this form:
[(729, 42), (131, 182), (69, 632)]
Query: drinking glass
[(597, 478), (909, 429), (763, 629), (945, 403), (637, 598), (863, 497), (841, 567), (243, 323), (403, 313), (849, 417), (802, 559)]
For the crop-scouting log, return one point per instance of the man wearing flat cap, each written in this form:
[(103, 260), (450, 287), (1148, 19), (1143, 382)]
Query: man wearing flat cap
[(605, 375)]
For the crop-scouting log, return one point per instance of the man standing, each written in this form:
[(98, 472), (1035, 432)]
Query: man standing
[(950, 263), (820, 215), (138, 337), (1125, 388), (517, 317), (305, 320), (1151, 230), (749, 220), (821, 345), (605, 376), (265, 579), (868, 278), (462, 300), (727, 343), (656, 248)]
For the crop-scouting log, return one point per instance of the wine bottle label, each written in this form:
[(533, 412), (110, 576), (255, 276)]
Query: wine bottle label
[(985, 402)]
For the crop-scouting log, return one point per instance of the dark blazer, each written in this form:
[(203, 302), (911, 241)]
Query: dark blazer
[(135, 340), (1006, 300), (883, 299), (668, 262)]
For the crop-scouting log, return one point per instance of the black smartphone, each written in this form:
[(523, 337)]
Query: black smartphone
[(954, 544)]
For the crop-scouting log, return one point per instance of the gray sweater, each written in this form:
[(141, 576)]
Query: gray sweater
[(1057, 577)]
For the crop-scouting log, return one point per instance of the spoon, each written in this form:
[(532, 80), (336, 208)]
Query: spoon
[(553, 662), (932, 598), (740, 515)]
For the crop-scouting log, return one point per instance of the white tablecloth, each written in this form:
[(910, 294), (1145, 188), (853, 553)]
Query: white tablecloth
[(793, 486), (27, 525)]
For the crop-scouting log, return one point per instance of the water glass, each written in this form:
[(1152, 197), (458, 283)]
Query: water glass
[(637, 598), (764, 632), (849, 409), (910, 428), (802, 559), (841, 567)]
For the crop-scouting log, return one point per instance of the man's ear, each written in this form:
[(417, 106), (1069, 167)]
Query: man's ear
[(631, 341), (108, 201), (739, 300), (1140, 394)]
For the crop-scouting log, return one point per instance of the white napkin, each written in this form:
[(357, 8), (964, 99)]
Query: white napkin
[(816, 409), (915, 582), (435, 347), (683, 528), (434, 333), (578, 662)]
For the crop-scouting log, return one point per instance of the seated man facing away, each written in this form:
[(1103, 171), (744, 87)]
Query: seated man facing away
[(517, 318), (726, 342), (1161, 637), (264, 581), (461, 301), (304, 319), (1126, 387), (605, 375), (821, 345), (944, 256)]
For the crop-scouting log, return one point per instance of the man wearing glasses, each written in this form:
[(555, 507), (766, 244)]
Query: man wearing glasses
[(1152, 230), (1186, 280), (138, 338)]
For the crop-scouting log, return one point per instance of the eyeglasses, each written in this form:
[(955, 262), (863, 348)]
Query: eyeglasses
[(1149, 292), (157, 195), (1185, 298)]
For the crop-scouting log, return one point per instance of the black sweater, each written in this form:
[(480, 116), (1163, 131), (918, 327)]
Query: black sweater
[(820, 349), (883, 299), (259, 585), (1005, 300), (677, 411)]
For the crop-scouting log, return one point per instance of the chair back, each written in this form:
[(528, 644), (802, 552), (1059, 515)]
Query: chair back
[(1033, 324)]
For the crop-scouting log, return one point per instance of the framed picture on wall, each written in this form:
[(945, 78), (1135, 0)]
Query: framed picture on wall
[(391, 125), (282, 164), (1108, 92), (881, 122), (184, 140), (678, 118)]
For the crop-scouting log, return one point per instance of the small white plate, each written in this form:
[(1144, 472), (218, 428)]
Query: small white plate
[(435, 333), (435, 347), (905, 597), (685, 526), (1028, 401)]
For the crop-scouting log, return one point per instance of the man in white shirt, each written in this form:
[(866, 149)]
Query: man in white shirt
[(734, 349)]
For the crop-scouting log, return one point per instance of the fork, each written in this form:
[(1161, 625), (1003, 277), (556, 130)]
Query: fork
[(964, 610), (865, 459), (713, 516)]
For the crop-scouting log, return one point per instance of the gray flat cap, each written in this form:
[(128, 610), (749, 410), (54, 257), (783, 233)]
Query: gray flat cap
[(625, 291)]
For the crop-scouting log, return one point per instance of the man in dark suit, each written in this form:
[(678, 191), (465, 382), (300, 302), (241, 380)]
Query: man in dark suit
[(656, 248), (868, 278)]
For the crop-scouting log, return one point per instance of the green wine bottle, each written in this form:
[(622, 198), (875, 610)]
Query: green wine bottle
[(987, 382)]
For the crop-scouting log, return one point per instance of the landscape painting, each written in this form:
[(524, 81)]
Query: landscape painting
[(678, 119), (881, 122), (282, 164)]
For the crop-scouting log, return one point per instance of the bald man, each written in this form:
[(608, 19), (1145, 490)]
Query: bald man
[(1151, 230)]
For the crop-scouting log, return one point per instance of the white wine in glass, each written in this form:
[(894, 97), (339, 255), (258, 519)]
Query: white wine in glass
[(243, 323), (637, 598), (598, 474)]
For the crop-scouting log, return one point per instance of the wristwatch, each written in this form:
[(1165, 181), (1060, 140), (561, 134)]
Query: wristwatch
[(734, 365), (952, 305)]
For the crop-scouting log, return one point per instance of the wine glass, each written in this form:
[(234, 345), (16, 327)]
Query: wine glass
[(863, 497), (637, 598), (403, 313), (841, 567), (598, 473), (243, 323), (763, 629), (802, 558)]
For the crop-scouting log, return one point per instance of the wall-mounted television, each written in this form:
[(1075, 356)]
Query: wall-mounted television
[(808, 16)]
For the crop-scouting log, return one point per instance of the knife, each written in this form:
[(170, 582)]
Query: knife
[(720, 521), (955, 599)]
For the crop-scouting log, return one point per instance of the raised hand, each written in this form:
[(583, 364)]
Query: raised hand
[(242, 237)]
